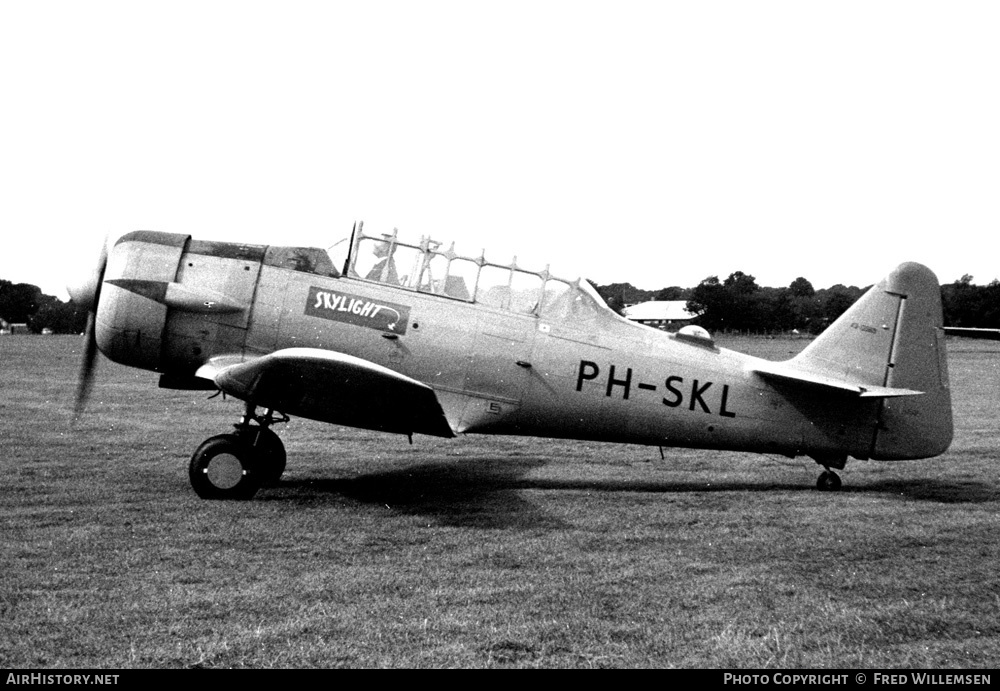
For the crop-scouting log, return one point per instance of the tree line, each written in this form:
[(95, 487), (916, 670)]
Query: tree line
[(23, 303), (739, 304)]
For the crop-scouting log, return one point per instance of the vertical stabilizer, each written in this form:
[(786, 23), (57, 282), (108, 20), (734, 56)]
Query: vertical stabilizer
[(893, 336)]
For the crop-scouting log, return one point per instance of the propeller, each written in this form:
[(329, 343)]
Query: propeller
[(86, 293)]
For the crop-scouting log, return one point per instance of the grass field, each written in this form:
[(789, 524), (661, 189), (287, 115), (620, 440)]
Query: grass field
[(479, 552)]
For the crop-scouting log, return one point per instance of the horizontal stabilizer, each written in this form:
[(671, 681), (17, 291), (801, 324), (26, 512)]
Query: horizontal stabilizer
[(332, 387), (790, 373)]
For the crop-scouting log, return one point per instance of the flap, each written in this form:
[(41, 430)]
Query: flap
[(332, 387)]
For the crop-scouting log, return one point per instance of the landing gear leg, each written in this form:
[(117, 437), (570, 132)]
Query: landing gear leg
[(266, 445), (235, 466)]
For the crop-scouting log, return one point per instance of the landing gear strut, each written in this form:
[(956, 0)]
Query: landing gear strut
[(236, 465)]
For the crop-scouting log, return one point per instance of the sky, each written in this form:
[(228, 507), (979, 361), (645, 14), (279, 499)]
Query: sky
[(656, 143)]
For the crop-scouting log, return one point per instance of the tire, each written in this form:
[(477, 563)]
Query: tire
[(828, 482), (269, 453), (224, 467)]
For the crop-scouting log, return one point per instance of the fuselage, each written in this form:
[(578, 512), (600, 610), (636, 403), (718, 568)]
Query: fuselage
[(549, 360)]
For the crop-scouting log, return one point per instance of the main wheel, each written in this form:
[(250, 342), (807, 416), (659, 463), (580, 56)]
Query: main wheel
[(224, 467), (268, 451), (828, 481)]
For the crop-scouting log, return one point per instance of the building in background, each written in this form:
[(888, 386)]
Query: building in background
[(7, 328), (668, 315)]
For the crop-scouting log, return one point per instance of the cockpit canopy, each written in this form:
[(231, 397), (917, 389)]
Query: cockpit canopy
[(310, 260), (427, 268)]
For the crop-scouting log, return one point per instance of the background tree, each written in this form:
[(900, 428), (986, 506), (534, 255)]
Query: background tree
[(804, 305), (776, 310), (61, 317), (708, 301), (745, 304), (801, 288), (738, 303), (614, 295), (991, 306), (961, 302), (18, 301), (732, 305), (833, 302), (969, 305), (672, 293)]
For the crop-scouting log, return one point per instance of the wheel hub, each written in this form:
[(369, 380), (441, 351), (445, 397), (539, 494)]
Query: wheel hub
[(224, 471)]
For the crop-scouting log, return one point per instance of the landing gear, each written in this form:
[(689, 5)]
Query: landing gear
[(828, 481), (235, 466), (223, 467), (269, 450)]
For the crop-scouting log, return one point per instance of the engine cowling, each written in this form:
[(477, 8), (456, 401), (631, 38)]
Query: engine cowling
[(130, 323)]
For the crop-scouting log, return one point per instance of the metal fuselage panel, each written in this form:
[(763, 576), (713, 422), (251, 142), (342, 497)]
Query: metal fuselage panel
[(638, 385), (498, 372), (431, 339), (230, 270)]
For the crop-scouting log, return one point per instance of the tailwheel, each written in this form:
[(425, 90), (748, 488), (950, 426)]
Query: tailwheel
[(225, 467), (828, 481)]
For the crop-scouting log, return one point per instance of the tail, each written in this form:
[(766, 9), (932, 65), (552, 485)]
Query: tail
[(890, 344)]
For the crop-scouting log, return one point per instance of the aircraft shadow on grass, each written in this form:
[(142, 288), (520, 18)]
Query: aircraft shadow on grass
[(469, 494), (485, 492), (931, 490)]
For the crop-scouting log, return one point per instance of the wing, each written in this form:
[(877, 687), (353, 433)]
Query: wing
[(331, 387)]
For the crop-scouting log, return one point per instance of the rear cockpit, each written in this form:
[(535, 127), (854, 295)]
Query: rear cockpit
[(429, 267)]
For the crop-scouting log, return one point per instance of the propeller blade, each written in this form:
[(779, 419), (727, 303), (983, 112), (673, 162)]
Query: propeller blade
[(85, 290), (85, 381), (87, 294)]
